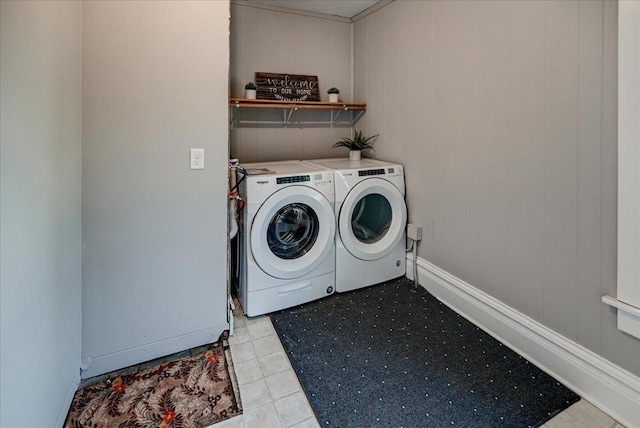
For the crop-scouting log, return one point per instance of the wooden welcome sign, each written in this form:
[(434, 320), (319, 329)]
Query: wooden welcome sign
[(287, 87)]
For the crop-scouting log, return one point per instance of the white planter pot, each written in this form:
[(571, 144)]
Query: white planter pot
[(250, 94), (355, 155), (333, 98)]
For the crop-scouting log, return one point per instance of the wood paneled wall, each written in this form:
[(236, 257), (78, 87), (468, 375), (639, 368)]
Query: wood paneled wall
[(279, 42), (504, 115)]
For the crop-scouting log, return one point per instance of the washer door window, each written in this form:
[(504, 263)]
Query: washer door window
[(372, 219), (292, 232)]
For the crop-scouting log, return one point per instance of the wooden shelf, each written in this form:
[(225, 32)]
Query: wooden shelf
[(288, 107), (301, 105)]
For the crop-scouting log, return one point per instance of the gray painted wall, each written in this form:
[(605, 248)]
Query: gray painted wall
[(280, 42), (40, 219), (154, 232), (504, 115)]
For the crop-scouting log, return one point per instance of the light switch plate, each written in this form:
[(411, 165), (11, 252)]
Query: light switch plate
[(196, 159)]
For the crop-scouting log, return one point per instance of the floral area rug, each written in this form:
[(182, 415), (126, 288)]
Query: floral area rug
[(191, 392)]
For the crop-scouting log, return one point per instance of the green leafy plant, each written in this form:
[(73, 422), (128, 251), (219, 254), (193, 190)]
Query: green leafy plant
[(250, 85), (333, 91), (358, 142)]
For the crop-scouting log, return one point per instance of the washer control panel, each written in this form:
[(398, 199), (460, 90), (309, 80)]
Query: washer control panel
[(323, 179), (293, 179)]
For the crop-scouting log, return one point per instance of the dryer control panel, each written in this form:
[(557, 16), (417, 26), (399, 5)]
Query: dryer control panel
[(394, 172), (367, 172), (389, 171)]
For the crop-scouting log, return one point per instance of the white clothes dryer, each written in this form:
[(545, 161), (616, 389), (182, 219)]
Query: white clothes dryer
[(371, 216), (287, 233)]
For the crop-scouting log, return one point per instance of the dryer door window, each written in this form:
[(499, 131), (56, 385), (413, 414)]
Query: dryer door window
[(372, 219), (293, 231)]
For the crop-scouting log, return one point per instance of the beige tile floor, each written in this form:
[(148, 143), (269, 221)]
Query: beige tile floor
[(270, 392), (273, 398)]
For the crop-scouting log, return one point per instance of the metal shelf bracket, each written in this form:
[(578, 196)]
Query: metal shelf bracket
[(287, 119)]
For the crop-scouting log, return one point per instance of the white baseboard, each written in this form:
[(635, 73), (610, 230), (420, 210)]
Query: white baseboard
[(611, 388), (71, 392), (95, 366)]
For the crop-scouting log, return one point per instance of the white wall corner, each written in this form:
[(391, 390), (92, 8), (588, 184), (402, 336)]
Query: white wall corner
[(606, 385)]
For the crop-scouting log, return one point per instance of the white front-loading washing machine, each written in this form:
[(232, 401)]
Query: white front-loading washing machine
[(371, 215), (287, 236)]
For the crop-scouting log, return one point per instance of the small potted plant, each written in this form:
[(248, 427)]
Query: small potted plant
[(356, 144), (333, 94), (250, 91)]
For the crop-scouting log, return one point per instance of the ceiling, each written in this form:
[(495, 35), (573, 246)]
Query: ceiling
[(344, 8)]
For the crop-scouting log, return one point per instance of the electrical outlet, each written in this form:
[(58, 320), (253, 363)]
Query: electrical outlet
[(414, 231), (196, 159)]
